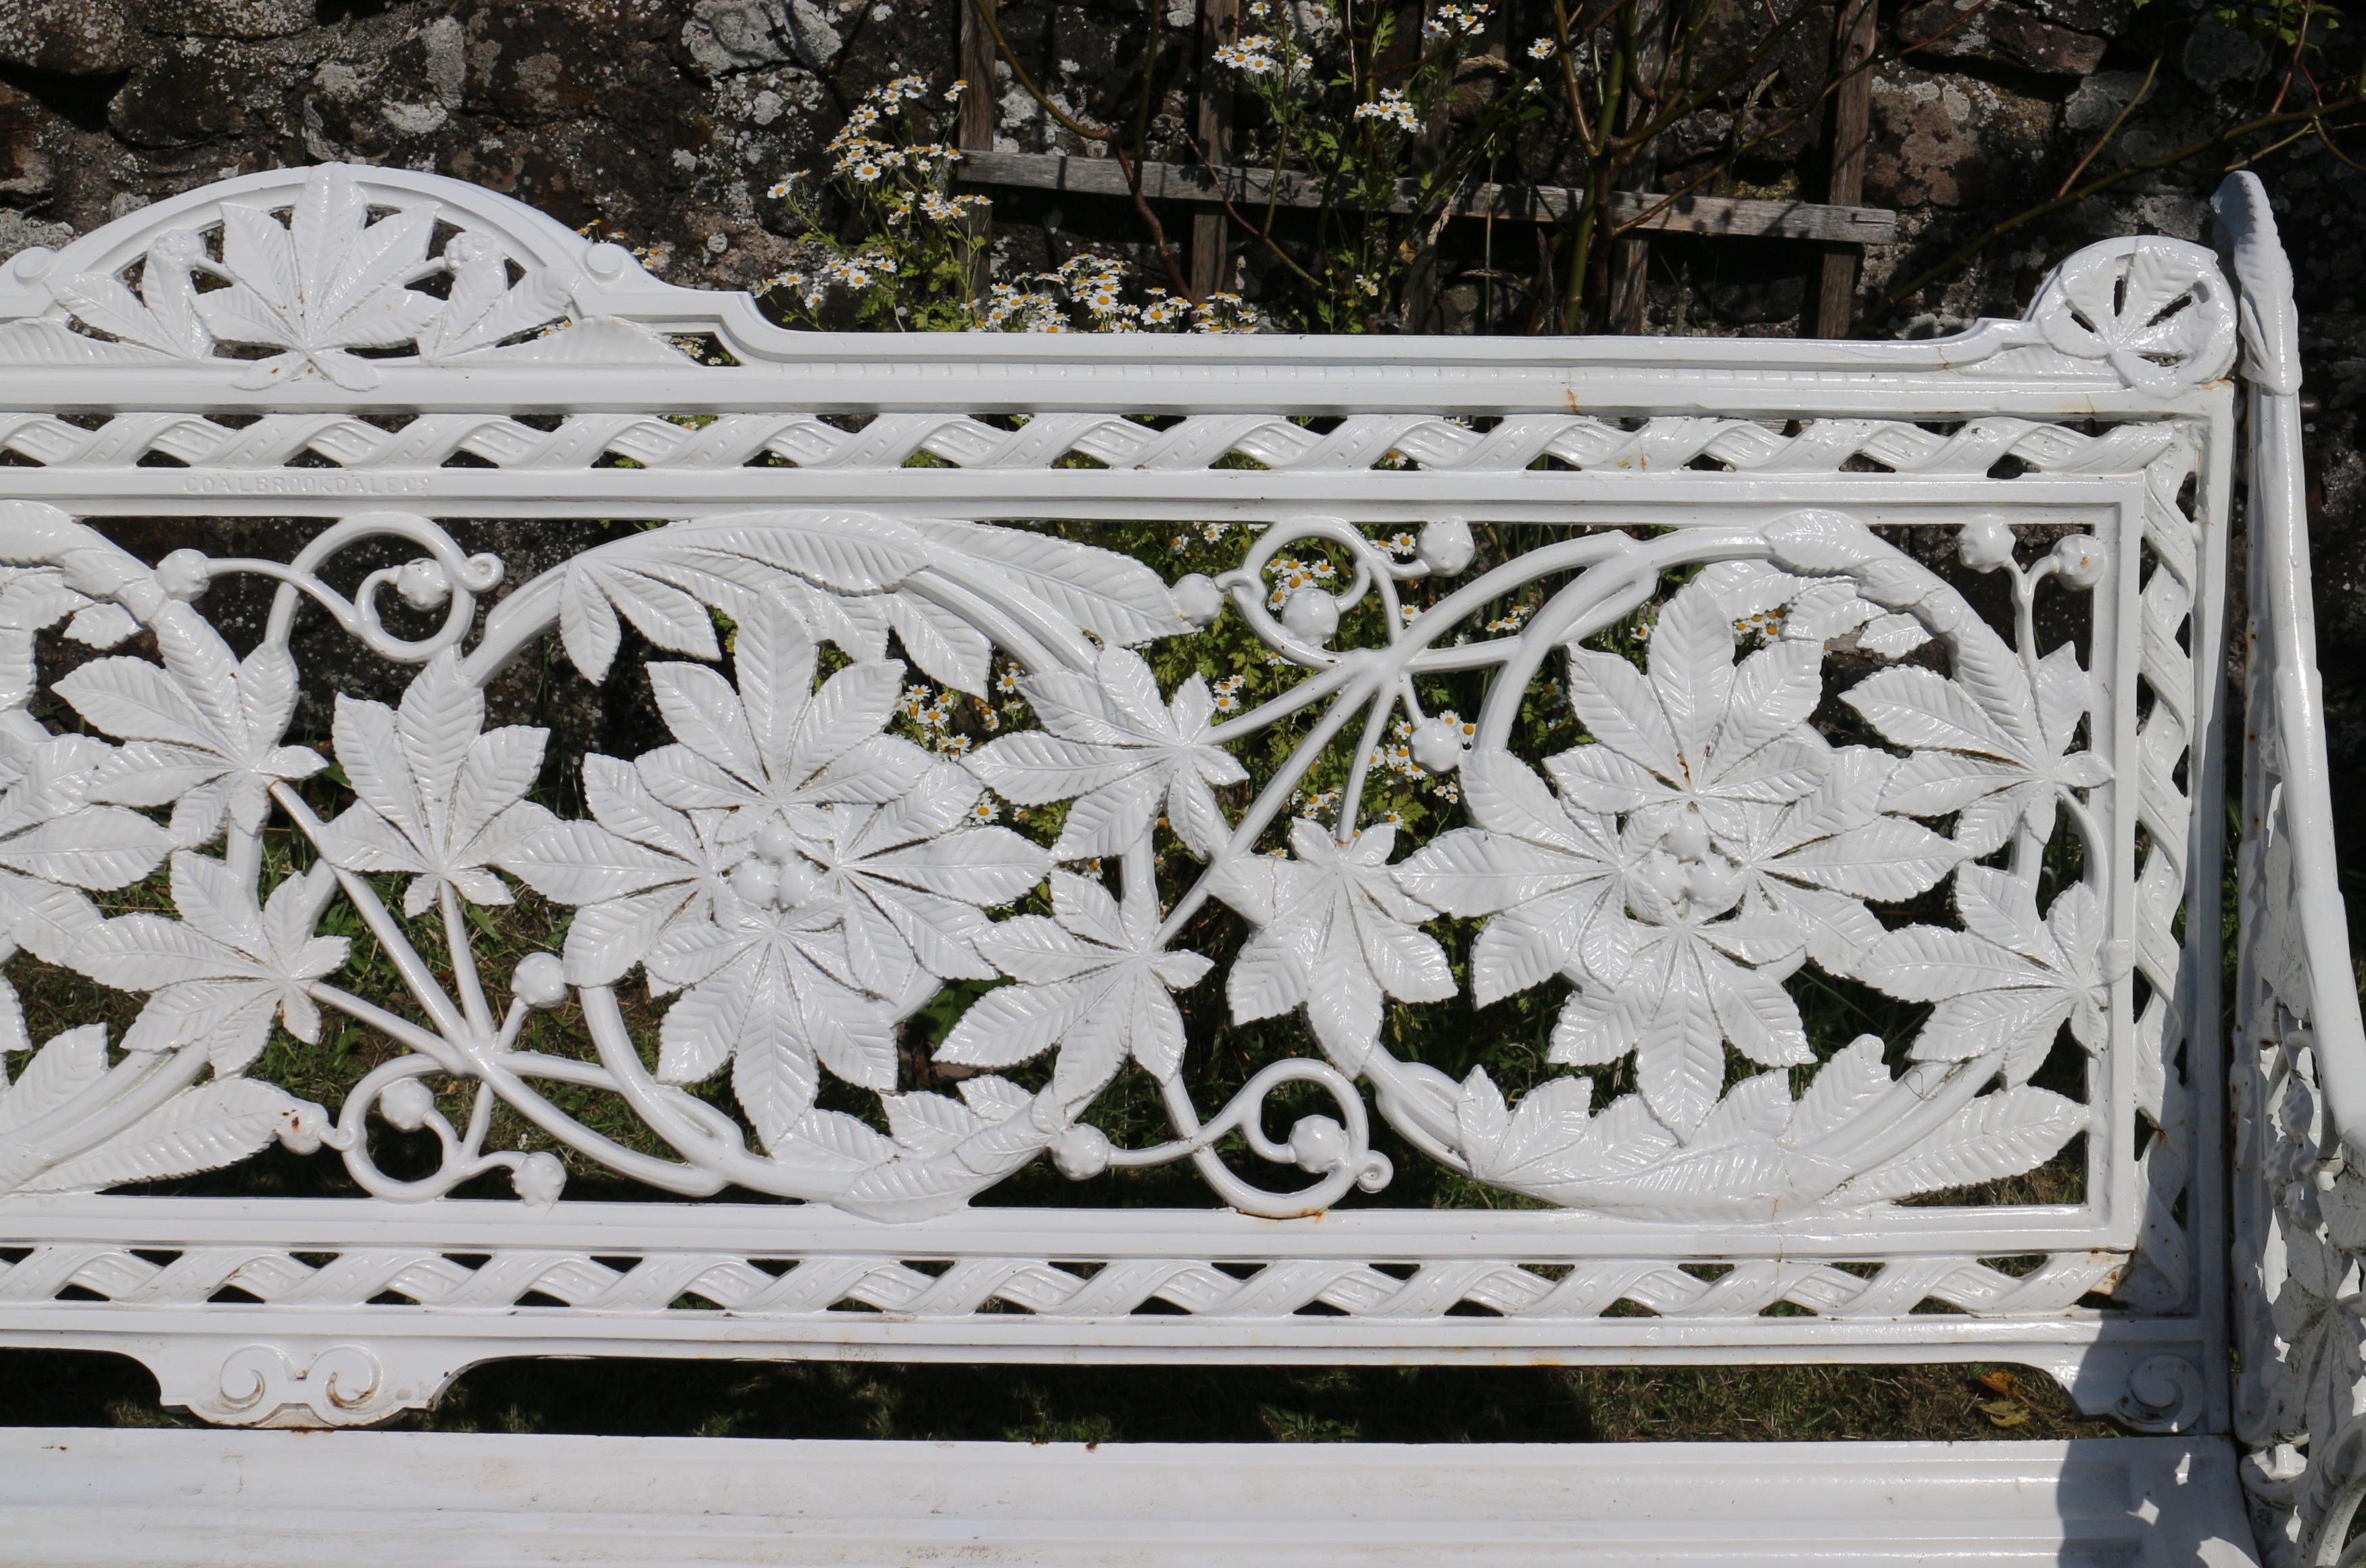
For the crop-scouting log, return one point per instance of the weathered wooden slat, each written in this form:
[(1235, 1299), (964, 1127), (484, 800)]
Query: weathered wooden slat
[(975, 130), (1219, 23), (1255, 188), (1852, 123), (1631, 256)]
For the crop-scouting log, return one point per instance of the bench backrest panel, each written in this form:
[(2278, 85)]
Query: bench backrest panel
[(1790, 683)]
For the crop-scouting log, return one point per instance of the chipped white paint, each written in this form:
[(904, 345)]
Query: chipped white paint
[(792, 879)]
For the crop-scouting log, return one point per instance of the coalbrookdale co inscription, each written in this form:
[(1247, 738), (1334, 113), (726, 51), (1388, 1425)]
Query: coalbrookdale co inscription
[(306, 482)]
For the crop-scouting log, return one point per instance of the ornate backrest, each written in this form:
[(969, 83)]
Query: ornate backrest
[(1733, 827)]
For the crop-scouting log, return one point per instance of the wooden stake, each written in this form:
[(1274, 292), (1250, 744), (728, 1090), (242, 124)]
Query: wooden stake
[(1852, 129), (975, 132), (1630, 262), (1210, 244)]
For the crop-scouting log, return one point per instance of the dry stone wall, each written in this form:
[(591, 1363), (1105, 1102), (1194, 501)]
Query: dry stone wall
[(667, 121)]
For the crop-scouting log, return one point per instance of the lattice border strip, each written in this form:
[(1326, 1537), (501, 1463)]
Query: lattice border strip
[(890, 441), (741, 1287)]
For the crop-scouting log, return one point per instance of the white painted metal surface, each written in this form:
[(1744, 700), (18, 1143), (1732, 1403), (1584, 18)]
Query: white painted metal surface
[(387, 351), (71, 1498), (2299, 1070)]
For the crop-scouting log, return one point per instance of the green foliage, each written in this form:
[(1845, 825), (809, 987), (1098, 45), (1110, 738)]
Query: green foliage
[(1089, 291), (917, 248), (1386, 131), (2289, 23), (1392, 132)]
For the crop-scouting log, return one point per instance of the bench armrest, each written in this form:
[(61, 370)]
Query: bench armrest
[(2288, 794)]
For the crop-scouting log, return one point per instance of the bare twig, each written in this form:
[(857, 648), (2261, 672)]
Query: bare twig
[(2319, 127), (2111, 129), (2167, 160), (1108, 139), (1251, 230), (1670, 199), (1564, 41), (1830, 87), (2274, 147)]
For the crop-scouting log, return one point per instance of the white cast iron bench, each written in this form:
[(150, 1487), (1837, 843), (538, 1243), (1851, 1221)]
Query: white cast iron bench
[(1892, 665)]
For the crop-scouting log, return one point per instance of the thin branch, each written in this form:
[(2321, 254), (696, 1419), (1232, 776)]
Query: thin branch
[(1605, 169), (1653, 127), (1126, 166), (1670, 199), (1250, 228), (1149, 82), (2167, 160), (2319, 127), (2269, 150), (2111, 129), (1687, 105), (2294, 65), (1830, 87), (1564, 37)]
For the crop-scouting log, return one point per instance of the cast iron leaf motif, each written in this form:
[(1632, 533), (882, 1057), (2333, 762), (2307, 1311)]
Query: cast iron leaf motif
[(796, 885), (1335, 935), (1997, 757), (1810, 610), (52, 843), (202, 1128), (484, 308), (222, 970), (164, 315), (2321, 1319), (2007, 981), (1121, 753), (68, 1063), (1815, 862), (201, 733), (803, 880), (1092, 980), (326, 282), (2159, 312), (50, 830), (932, 1124), (1702, 757), (42, 919), (441, 796), (776, 747), (2005, 1132), (1702, 975), (915, 878), (32, 599), (637, 866), (770, 990), (1700, 734), (1552, 874)]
